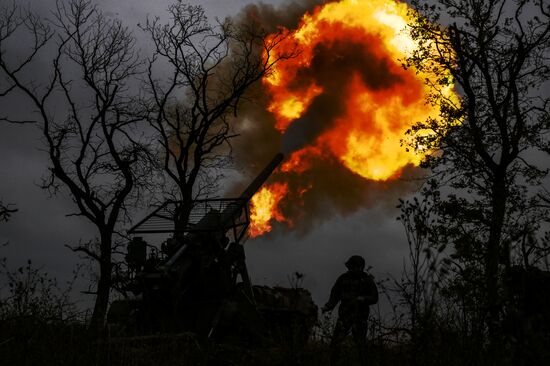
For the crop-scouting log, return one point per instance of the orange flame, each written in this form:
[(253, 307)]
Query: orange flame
[(264, 208), (349, 53)]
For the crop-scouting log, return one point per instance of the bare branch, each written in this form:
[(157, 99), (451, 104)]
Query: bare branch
[(6, 210)]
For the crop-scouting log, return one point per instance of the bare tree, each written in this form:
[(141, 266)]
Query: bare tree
[(85, 113), (496, 52), (210, 68)]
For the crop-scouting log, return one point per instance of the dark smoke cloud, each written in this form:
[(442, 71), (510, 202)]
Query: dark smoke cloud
[(333, 67), (286, 15), (336, 191), (332, 189)]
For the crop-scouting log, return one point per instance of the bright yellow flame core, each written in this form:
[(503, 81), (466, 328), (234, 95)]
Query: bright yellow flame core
[(377, 153), (264, 208)]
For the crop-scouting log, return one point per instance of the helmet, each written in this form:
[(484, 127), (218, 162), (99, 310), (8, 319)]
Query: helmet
[(355, 261)]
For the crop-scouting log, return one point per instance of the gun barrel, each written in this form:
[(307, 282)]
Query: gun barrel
[(262, 177), (225, 218), (234, 209)]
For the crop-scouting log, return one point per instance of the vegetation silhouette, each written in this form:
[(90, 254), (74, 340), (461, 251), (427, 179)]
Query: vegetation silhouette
[(100, 96), (474, 286)]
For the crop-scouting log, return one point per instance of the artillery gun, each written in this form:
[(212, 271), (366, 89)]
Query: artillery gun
[(198, 280)]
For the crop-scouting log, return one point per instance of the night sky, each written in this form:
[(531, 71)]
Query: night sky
[(39, 230)]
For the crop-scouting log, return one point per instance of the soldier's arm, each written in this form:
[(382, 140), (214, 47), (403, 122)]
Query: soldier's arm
[(372, 291), (335, 296)]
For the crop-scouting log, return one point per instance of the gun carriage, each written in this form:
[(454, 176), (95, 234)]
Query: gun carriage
[(198, 280)]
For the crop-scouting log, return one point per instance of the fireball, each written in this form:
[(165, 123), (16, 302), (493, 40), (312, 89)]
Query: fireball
[(346, 95)]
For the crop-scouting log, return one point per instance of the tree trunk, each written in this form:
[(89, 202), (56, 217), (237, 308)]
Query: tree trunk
[(183, 211), (104, 284), (182, 217), (492, 256)]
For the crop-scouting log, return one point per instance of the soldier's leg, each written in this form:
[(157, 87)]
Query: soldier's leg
[(340, 332), (359, 332)]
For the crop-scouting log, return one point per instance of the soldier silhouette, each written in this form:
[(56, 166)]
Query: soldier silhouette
[(355, 290)]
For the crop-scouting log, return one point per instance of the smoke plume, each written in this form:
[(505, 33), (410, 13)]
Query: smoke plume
[(320, 185)]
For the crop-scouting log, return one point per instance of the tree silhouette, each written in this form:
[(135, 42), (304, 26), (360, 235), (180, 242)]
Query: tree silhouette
[(85, 113), (100, 99), (496, 53), (210, 69)]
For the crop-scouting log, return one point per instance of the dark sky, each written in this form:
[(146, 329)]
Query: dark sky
[(39, 230)]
